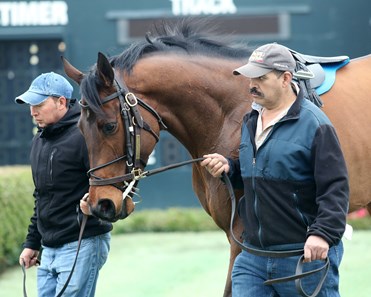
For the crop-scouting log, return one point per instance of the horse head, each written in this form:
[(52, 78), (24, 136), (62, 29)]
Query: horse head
[(112, 122)]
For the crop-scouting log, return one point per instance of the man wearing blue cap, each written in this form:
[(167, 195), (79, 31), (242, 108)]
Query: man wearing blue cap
[(59, 162)]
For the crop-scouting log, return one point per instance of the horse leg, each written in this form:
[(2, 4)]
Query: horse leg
[(234, 251), (369, 208)]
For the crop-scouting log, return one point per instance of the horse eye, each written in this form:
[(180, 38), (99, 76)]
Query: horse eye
[(109, 128)]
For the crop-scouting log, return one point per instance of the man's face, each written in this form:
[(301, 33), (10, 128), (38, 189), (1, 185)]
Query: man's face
[(266, 90), (47, 112)]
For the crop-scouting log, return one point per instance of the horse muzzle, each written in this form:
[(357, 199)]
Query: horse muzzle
[(106, 210)]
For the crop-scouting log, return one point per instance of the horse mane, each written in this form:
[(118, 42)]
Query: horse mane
[(188, 36)]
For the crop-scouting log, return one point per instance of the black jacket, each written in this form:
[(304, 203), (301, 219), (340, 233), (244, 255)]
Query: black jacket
[(59, 162)]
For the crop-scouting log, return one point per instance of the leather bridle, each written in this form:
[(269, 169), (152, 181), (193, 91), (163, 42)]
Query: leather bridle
[(133, 123)]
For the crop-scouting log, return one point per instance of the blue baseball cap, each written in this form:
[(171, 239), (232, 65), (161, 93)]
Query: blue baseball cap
[(44, 86)]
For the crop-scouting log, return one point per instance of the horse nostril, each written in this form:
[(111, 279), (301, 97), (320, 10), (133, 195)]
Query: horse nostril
[(105, 210)]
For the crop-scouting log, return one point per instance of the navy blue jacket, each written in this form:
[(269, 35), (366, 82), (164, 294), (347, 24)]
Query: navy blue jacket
[(296, 183), (59, 162)]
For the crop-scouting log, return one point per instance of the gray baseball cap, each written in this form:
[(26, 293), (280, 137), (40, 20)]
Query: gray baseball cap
[(266, 58)]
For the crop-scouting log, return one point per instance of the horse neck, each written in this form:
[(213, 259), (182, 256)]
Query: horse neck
[(201, 106), (202, 127)]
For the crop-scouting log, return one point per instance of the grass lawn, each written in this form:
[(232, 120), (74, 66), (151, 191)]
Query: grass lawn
[(186, 264)]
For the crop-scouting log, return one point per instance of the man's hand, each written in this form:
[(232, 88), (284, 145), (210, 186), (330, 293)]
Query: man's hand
[(84, 205), (28, 258), (215, 164), (315, 248)]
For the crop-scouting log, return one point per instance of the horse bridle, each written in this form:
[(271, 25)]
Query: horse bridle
[(133, 123)]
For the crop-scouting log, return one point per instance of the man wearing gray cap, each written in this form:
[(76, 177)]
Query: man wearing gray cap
[(295, 182), (59, 162)]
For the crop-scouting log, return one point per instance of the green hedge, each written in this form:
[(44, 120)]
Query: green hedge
[(188, 219), (170, 220), (16, 207), (361, 223)]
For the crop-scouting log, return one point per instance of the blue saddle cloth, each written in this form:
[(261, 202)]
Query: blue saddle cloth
[(330, 75)]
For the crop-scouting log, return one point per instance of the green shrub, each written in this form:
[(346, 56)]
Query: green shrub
[(360, 223), (16, 206), (172, 219)]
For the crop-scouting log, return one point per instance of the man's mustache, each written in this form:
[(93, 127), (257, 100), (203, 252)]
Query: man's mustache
[(254, 91)]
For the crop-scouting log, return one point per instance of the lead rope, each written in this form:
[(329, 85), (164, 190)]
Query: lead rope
[(299, 274), (83, 224)]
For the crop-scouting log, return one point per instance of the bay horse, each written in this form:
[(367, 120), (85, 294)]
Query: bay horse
[(181, 78)]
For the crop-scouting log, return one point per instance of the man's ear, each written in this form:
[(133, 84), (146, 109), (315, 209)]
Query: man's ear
[(62, 101), (287, 78)]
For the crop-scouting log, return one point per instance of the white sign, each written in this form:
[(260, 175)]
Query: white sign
[(199, 7), (33, 13)]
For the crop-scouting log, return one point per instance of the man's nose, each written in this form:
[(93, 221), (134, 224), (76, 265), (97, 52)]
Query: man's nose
[(253, 82), (33, 110)]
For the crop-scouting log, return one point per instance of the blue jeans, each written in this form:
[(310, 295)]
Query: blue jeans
[(56, 264), (249, 272)]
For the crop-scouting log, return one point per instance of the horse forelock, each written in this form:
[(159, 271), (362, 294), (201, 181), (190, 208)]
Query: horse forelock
[(186, 37), (89, 89)]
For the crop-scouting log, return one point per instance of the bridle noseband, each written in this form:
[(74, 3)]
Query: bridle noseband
[(133, 123)]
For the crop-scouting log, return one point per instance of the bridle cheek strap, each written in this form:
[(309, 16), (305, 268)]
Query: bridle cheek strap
[(133, 123)]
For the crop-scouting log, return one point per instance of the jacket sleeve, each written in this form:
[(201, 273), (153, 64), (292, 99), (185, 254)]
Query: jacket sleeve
[(332, 184), (83, 152), (234, 173), (33, 238)]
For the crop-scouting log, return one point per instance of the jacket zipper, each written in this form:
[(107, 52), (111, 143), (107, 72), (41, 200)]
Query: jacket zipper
[(260, 228), (256, 202), (51, 163)]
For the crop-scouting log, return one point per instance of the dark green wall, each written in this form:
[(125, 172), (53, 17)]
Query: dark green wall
[(326, 29)]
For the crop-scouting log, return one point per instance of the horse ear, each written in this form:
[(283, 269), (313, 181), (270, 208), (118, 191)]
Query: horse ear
[(71, 71), (105, 70)]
